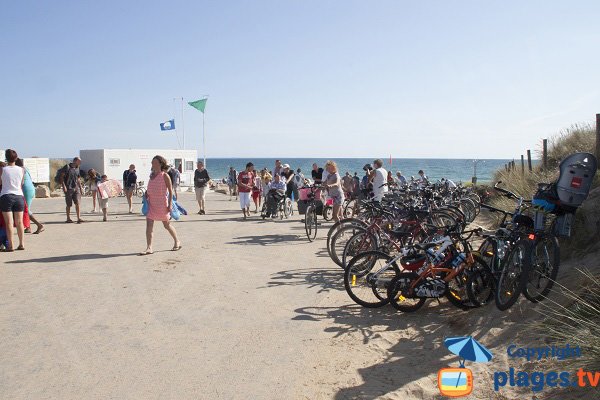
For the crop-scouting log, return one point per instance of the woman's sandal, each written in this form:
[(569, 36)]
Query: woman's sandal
[(39, 230), (176, 248), (145, 253), (20, 248)]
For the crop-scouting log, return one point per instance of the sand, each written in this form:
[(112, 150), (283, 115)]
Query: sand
[(246, 310)]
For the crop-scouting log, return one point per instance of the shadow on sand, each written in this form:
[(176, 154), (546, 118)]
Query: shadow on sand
[(72, 257), (411, 335), (268, 240)]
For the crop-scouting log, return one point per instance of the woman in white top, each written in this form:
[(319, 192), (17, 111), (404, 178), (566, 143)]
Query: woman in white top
[(379, 179), (12, 202)]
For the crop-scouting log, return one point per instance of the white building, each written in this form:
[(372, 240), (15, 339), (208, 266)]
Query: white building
[(38, 167), (112, 162)]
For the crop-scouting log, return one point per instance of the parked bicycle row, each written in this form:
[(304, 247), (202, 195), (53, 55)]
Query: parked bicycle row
[(418, 244)]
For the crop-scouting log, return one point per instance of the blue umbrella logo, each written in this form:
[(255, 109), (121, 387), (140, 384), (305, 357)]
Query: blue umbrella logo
[(456, 382)]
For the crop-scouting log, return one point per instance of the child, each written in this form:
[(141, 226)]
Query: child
[(103, 202), (3, 238)]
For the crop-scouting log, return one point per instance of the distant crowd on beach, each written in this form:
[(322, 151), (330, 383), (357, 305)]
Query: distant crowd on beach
[(266, 188)]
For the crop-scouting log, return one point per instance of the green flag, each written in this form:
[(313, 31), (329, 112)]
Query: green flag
[(198, 104)]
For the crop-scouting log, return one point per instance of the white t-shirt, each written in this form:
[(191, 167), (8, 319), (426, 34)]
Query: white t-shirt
[(12, 180), (380, 179)]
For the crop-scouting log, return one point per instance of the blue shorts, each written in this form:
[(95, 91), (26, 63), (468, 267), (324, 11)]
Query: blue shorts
[(12, 203)]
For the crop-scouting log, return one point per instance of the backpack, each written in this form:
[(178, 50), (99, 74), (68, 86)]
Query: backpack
[(60, 174), (174, 175)]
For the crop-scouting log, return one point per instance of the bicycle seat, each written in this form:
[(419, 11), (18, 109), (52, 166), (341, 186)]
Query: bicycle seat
[(425, 246)]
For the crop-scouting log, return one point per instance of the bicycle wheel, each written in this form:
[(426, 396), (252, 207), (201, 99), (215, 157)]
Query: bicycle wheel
[(327, 213), (338, 225), (456, 291), (350, 208), (398, 293), (514, 275), (339, 240), (140, 192), (310, 223), (441, 219), (545, 260), (367, 278), (480, 283), (359, 243)]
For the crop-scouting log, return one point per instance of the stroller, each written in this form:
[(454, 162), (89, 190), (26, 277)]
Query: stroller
[(563, 197), (277, 204)]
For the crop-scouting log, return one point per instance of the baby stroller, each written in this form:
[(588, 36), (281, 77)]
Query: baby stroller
[(277, 204)]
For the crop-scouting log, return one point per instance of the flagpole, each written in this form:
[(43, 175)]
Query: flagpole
[(203, 140), (182, 123)]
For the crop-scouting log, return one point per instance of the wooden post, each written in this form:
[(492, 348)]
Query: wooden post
[(529, 160), (522, 165), (545, 153), (598, 136)]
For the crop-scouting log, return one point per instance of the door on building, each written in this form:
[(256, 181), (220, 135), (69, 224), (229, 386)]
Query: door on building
[(178, 164)]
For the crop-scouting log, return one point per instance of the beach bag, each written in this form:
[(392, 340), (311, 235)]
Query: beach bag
[(175, 214), (144, 205), (182, 210)]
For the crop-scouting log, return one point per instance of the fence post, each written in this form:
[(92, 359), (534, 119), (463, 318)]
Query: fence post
[(598, 136), (522, 165), (545, 153), (529, 160)]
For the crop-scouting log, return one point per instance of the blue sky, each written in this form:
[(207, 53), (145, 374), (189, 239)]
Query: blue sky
[(439, 79)]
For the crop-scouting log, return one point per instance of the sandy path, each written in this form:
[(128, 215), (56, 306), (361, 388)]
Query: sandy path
[(246, 310), (82, 316)]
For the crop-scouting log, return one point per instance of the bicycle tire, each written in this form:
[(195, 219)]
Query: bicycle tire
[(339, 240), (359, 243), (338, 225), (140, 192), (327, 213), (357, 279), (547, 270), (395, 297), (481, 286), (513, 277), (310, 223)]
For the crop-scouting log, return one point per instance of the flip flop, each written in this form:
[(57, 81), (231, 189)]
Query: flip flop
[(80, 221), (39, 230), (20, 248), (176, 248), (69, 221), (145, 253)]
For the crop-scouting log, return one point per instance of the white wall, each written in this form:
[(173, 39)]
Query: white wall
[(112, 162)]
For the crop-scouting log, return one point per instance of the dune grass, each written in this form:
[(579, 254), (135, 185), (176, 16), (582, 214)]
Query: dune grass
[(577, 138), (574, 318)]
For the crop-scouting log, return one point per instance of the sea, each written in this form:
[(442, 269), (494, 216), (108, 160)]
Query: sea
[(459, 170)]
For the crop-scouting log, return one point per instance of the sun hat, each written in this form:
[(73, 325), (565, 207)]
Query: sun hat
[(286, 165)]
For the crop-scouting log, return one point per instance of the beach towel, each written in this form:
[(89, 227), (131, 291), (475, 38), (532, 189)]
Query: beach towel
[(110, 188)]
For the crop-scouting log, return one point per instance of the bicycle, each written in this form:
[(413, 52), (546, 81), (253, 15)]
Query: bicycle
[(310, 219)]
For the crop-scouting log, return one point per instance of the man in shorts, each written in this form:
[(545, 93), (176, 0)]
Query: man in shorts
[(201, 179), (129, 184), (71, 186), (245, 182)]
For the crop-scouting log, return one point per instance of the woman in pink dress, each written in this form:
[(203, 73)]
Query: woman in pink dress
[(160, 201)]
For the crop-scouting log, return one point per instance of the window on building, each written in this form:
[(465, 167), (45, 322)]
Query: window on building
[(189, 165), (114, 162)]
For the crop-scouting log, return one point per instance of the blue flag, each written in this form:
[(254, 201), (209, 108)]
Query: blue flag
[(167, 126)]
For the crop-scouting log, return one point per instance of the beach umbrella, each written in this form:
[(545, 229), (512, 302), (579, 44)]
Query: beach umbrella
[(468, 348)]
